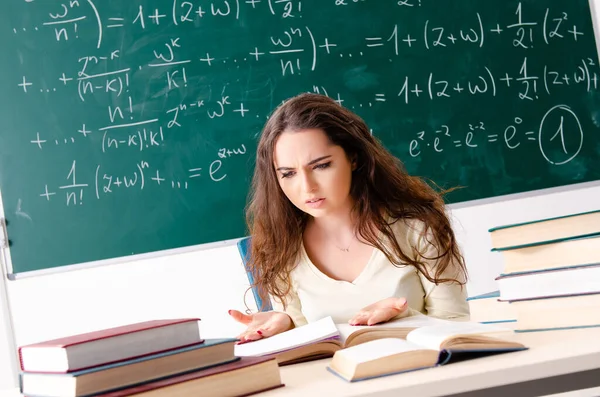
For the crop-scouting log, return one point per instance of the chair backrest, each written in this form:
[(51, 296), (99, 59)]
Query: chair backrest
[(244, 249)]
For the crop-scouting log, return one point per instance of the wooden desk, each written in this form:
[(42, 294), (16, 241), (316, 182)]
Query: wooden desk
[(569, 353)]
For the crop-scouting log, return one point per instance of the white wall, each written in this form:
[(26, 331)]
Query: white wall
[(207, 283), (201, 284)]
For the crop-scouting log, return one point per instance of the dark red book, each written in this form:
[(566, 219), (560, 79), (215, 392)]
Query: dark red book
[(243, 377), (109, 345)]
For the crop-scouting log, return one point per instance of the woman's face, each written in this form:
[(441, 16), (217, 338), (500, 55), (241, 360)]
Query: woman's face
[(314, 174)]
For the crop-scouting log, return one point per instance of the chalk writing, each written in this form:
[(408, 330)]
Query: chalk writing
[(172, 87)]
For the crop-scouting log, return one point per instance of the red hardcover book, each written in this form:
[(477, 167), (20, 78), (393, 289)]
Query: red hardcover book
[(246, 376), (109, 345)]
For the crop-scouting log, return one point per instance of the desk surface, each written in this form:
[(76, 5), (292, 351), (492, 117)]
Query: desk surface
[(550, 353)]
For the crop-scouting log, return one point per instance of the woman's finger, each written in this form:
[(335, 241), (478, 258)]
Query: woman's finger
[(240, 317), (360, 319), (267, 331), (250, 336), (401, 304), (380, 316)]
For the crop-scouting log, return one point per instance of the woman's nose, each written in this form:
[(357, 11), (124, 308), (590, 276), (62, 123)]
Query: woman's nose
[(308, 183)]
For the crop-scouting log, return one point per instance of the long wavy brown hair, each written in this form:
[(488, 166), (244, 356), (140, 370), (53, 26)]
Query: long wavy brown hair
[(381, 190)]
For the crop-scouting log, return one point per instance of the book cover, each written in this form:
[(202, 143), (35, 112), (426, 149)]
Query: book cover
[(508, 226), (547, 270), (546, 242), (107, 333), (130, 372), (545, 231), (487, 295), (207, 343), (232, 367), (575, 280), (105, 346)]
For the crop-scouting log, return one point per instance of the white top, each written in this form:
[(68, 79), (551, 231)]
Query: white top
[(315, 295)]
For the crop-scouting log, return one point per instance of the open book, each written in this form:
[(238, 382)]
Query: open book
[(323, 338), (423, 347)]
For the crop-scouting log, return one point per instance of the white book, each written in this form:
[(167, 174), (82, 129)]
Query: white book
[(567, 281)]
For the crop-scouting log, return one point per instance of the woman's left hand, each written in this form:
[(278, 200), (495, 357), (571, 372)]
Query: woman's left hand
[(380, 312)]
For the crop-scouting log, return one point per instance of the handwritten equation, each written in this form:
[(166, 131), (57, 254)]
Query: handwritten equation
[(559, 136), (140, 175), (147, 78)]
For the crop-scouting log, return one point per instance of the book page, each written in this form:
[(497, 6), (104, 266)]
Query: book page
[(416, 321), (304, 335), (375, 349), (431, 337)]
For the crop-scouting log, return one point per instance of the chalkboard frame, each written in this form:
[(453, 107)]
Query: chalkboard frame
[(232, 243)]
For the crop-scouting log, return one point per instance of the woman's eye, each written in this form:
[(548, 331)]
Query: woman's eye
[(287, 174), (322, 166)]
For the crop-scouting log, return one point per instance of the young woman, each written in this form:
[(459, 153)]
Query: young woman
[(340, 229)]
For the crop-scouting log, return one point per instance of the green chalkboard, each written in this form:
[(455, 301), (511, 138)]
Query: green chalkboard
[(129, 127)]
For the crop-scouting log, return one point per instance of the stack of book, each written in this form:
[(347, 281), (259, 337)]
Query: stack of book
[(551, 271), (153, 358)]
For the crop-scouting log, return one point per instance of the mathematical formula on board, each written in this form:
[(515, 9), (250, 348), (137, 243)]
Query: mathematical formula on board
[(299, 49)]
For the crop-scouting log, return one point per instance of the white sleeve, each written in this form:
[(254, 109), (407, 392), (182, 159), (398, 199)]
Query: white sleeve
[(446, 300), (293, 309)]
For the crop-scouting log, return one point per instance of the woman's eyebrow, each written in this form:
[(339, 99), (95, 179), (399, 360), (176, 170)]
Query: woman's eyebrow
[(311, 162)]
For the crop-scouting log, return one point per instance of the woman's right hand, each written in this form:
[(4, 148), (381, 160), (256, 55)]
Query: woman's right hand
[(262, 324)]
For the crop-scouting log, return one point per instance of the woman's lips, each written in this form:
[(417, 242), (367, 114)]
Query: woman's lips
[(316, 203)]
